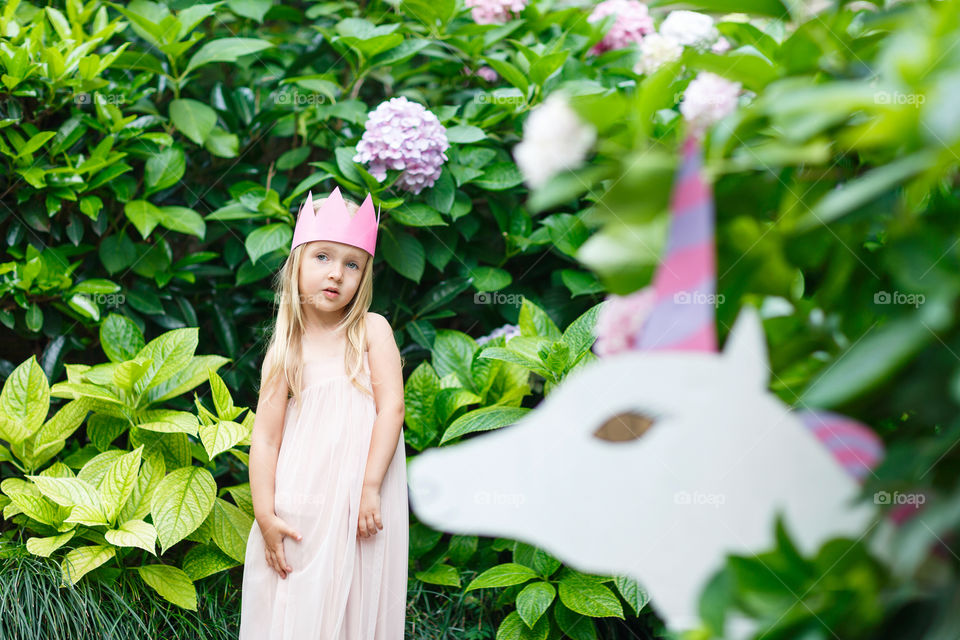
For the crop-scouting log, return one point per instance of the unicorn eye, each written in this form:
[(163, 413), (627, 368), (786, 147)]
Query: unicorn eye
[(624, 427)]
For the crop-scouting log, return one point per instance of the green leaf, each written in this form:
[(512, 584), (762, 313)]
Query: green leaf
[(589, 598), (465, 134), (205, 560), (164, 169), (510, 73), (534, 321), (194, 119), (574, 625), (143, 215), (869, 186), (24, 401), (171, 583), (499, 176), (46, 546), (502, 575), (226, 50), (221, 436), (118, 482), (442, 574), (513, 628), (168, 421), (404, 253), (181, 502), (534, 600), (82, 560), (416, 214), (579, 336), (231, 526), (483, 419), (134, 533), (169, 352), (264, 240), (490, 278), (182, 219), (420, 391), (635, 596), (120, 338), (253, 9)]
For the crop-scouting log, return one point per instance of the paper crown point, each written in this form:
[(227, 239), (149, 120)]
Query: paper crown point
[(334, 223)]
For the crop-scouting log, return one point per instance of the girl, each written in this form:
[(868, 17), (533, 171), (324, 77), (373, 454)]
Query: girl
[(327, 554)]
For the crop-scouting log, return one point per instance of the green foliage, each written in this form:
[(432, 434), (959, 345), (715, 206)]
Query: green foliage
[(102, 502)]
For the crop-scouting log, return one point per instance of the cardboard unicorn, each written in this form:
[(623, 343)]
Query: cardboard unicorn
[(657, 463)]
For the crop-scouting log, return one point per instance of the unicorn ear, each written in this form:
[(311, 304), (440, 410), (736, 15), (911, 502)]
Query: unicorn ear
[(746, 349)]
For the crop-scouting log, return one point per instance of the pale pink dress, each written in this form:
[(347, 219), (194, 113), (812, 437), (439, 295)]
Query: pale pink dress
[(343, 586)]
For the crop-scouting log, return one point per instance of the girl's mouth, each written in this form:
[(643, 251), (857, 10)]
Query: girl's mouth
[(330, 293)]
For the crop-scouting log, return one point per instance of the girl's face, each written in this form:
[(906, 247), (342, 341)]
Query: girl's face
[(330, 275)]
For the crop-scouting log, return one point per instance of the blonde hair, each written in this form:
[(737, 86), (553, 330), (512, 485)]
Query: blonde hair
[(287, 338)]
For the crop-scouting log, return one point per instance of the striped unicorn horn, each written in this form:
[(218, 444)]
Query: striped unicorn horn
[(685, 282)]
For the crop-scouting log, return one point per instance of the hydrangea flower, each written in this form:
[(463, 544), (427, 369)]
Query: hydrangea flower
[(708, 98), (690, 28), (554, 138), (655, 51), (487, 73), (620, 321), (507, 331), (722, 45), (632, 22), (400, 134), (494, 11)]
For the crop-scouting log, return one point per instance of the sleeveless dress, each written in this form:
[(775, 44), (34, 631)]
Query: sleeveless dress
[(342, 586)]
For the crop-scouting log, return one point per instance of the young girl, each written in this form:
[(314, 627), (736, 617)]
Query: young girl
[(327, 555)]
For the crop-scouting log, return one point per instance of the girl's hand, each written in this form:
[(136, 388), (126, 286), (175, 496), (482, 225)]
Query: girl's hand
[(273, 530), (369, 520)]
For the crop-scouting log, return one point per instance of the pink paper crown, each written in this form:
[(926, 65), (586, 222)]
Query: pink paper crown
[(334, 223)]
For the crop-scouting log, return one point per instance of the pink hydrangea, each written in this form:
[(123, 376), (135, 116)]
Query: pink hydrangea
[(404, 135), (632, 22), (708, 99), (620, 321), (494, 11), (486, 73)]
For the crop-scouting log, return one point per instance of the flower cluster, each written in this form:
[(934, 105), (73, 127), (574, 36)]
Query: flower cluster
[(487, 73), (680, 29), (507, 331), (708, 98), (621, 320), (554, 138), (494, 11), (400, 134), (632, 22)]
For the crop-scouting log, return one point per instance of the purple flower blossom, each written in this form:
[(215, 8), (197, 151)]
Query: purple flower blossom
[(400, 134), (507, 331), (494, 11), (486, 73), (632, 22)]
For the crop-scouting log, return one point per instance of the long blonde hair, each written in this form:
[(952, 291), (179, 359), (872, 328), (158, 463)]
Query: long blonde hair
[(287, 338)]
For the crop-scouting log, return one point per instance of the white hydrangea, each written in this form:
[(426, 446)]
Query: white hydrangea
[(708, 98), (655, 51), (554, 139), (690, 28)]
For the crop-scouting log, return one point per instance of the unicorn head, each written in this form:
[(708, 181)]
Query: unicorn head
[(657, 463)]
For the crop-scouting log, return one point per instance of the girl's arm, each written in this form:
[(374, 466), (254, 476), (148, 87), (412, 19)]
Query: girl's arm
[(265, 442), (386, 376)]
